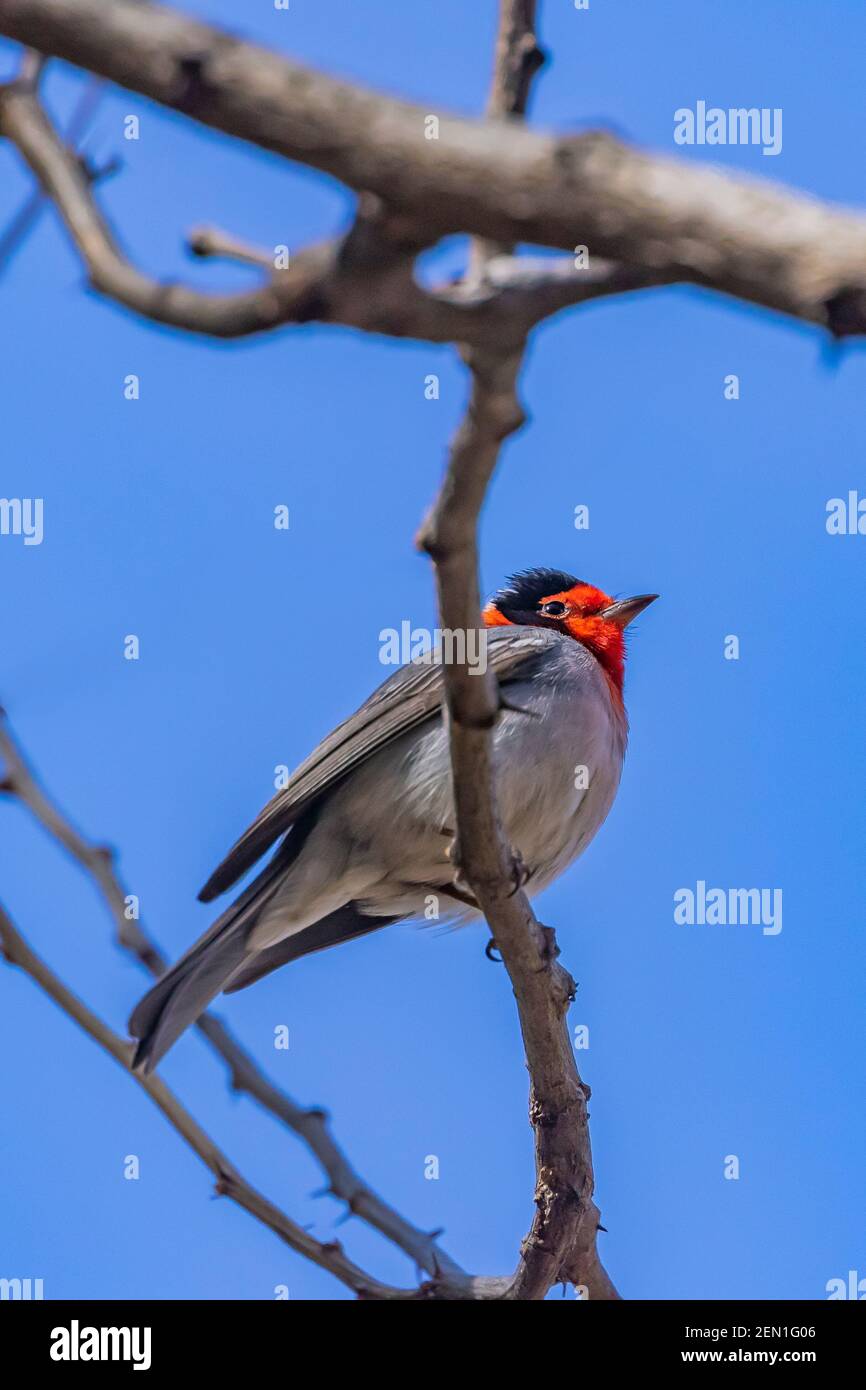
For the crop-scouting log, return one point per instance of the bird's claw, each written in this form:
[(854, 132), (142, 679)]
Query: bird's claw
[(452, 853), (491, 951), (520, 873)]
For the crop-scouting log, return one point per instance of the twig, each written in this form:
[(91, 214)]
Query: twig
[(25, 219), (309, 1124), (209, 243), (24, 122), (229, 1181)]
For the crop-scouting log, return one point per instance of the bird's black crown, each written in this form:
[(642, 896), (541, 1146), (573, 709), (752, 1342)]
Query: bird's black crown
[(524, 591)]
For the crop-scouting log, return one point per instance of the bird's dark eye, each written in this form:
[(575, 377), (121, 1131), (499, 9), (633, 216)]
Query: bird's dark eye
[(554, 609)]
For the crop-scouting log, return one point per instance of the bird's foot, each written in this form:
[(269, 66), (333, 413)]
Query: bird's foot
[(520, 872), (491, 951), (458, 878)]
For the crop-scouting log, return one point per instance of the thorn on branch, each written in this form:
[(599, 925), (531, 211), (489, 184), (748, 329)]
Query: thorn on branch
[(534, 56), (549, 947), (226, 1183), (199, 243), (32, 68), (846, 312), (192, 81), (98, 173), (429, 545), (313, 307)]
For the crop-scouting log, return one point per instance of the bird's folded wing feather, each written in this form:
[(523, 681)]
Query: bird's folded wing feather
[(407, 698)]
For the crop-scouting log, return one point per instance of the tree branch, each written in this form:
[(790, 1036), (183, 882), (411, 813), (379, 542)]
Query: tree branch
[(229, 1182), (23, 121), (309, 1124), (743, 237), (27, 215), (562, 1240), (448, 1281), (363, 280)]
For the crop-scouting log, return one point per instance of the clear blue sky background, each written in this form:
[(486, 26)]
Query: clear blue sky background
[(705, 1041)]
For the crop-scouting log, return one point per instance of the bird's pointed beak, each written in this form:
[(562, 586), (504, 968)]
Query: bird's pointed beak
[(627, 609)]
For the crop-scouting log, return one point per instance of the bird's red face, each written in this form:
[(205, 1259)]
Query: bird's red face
[(550, 598)]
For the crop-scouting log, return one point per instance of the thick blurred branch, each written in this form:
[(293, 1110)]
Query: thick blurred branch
[(669, 219), (364, 280)]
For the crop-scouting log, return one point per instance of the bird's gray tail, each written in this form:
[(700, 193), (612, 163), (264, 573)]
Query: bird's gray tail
[(219, 960), (184, 991)]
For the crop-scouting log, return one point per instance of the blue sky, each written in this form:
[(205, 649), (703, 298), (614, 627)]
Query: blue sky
[(704, 1041)]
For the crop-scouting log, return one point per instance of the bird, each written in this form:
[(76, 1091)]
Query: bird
[(365, 825)]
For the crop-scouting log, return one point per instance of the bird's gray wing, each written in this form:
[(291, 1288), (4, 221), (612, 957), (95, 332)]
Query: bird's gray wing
[(407, 698)]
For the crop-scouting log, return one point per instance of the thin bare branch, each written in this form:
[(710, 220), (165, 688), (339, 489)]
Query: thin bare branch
[(229, 1182), (245, 1076), (561, 1243), (743, 237), (210, 243), (24, 122), (26, 217), (517, 59)]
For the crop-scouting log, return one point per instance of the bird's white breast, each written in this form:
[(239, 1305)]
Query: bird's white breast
[(557, 767)]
